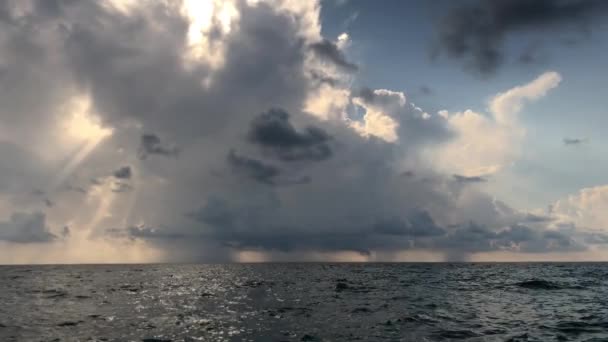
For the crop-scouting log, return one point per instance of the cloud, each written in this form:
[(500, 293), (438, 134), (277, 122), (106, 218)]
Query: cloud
[(476, 32), (425, 90), (273, 131), (573, 141), (123, 173), (585, 209), (534, 218), (387, 115), (20, 170), (506, 105), (277, 154), (487, 143), (419, 224), (65, 232), (24, 227), (253, 168), (380, 107), (469, 179), (382, 97), (119, 187), (152, 145), (329, 51), (78, 189)]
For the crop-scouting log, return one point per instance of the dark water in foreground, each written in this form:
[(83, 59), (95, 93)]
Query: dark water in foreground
[(305, 302)]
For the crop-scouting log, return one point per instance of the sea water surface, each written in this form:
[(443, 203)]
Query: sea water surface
[(305, 302)]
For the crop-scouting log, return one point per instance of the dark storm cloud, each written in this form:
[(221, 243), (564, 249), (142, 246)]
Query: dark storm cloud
[(151, 144), (225, 223), (216, 213), (253, 168), (476, 32), (246, 228), (573, 141), (262, 172), (26, 228), (274, 132), (123, 173), (329, 51), (418, 224), (469, 179), (477, 238)]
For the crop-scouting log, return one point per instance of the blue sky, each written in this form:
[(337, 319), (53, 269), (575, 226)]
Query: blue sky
[(393, 40)]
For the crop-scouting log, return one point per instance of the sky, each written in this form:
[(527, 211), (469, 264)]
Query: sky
[(287, 130)]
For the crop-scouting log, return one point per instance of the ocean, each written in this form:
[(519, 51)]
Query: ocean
[(306, 302)]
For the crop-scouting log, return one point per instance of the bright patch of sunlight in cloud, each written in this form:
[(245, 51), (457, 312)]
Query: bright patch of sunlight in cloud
[(81, 125), (210, 20), (83, 129)]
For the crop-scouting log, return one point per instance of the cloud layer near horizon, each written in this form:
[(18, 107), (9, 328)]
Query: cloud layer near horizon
[(189, 133)]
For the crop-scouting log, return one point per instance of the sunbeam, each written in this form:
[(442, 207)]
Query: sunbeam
[(83, 128)]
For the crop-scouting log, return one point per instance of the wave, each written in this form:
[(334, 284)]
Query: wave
[(579, 327), (539, 284)]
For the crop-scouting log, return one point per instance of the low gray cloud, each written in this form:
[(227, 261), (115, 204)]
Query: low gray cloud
[(532, 218), (596, 239), (152, 145), (573, 141), (476, 31), (253, 168), (418, 224), (469, 179), (471, 238), (123, 173), (20, 170), (226, 223), (24, 227)]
